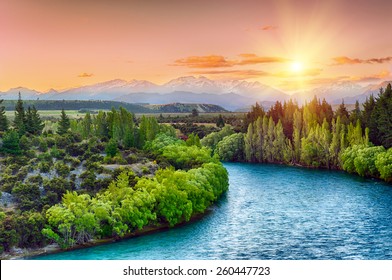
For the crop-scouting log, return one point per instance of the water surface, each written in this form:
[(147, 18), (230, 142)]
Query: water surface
[(274, 212)]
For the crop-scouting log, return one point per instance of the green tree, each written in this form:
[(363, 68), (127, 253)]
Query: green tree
[(343, 113), (86, 126), (3, 118), (381, 119), (11, 143), (111, 148), (20, 117), (231, 148), (193, 140), (34, 124), (63, 124)]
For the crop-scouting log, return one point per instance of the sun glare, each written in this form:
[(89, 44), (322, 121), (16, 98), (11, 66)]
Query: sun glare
[(296, 66)]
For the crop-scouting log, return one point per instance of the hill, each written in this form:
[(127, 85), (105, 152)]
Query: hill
[(186, 108)]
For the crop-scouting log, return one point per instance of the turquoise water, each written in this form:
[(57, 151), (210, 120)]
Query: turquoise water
[(274, 212)]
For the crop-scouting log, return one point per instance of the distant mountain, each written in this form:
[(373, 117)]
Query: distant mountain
[(78, 105), (229, 101), (202, 84), (186, 108), (13, 94), (230, 94), (105, 91), (367, 91), (332, 92)]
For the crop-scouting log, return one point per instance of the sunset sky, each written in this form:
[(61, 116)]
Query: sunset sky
[(291, 45)]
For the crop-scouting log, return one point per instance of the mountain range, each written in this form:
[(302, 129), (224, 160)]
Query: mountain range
[(230, 94)]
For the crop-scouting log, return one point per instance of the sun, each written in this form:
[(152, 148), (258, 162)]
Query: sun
[(297, 66)]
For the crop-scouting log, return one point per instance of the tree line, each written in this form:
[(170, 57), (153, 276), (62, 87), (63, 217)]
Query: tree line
[(314, 136)]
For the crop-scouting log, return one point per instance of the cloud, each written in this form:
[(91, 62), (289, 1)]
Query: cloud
[(250, 58), (216, 61), (342, 60), (268, 27), (209, 61), (382, 75), (236, 73), (85, 75)]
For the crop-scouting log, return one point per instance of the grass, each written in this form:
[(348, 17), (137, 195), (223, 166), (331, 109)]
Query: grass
[(47, 114)]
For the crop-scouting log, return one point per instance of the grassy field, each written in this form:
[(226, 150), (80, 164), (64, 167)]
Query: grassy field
[(47, 114), (75, 114)]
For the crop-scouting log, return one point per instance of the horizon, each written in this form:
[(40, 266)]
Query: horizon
[(290, 93), (288, 46)]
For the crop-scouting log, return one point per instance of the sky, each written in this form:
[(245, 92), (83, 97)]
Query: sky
[(290, 45)]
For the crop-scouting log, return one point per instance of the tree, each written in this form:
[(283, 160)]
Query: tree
[(220, 122), (193, 140), (195, 113), (11, 143), (64, 123), (86, 125), (356, 113), (20, 117), (34, 124), (381, 121), (368, 108), (231, 148), (111, 148), (342, 113), (3, 118)]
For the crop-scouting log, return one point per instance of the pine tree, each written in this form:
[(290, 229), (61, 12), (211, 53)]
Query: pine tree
[(368, 108), (381, 121), (356, 113), (3, 118), (343, 113), (63, 124), (29, 121), (38, 125), (11, 143), (20, 117)]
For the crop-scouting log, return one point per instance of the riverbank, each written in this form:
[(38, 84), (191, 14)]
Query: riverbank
[(26, 253)]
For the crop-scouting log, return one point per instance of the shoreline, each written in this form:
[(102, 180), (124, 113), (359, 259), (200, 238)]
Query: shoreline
[(27, 253)]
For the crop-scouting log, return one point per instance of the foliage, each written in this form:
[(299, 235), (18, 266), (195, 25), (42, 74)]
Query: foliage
[(63, 124), (11, 143), (231, 148)]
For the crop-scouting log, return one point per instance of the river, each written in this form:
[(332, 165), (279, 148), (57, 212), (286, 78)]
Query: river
[(274, 212)]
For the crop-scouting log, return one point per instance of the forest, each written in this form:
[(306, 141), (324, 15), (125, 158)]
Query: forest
[(102, 176), (315, 136), (107, 175)]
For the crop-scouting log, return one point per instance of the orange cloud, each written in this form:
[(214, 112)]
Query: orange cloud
[(250, 58), (341, 60), (268, 27), (216, 61), (85, 75), (382, 75), (210, 61)]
